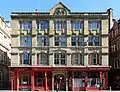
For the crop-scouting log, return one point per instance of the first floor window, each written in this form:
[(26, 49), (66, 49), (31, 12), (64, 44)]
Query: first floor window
[(60, 58), (94, 59), (77, 40), (43, 58), (77, 59), (25, 58)]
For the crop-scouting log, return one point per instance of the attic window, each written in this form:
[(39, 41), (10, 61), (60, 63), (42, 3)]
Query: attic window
[(60, 11)]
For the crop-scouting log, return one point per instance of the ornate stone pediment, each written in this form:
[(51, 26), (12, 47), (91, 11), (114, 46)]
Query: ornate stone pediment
[(59, 9)]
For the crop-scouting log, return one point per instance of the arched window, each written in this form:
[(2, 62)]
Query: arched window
[(60, 58), (77, 59), (94, 58), (25, 58), (42, 59)]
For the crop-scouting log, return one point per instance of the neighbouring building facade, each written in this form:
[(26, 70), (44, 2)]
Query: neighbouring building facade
[(60, 49), (5, 53), (114, 44)]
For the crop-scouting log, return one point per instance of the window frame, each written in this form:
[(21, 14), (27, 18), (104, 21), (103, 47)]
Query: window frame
[(25, 25), (77, 59), (97, 26), (59, 42), (58, 59), (26, 41), (77, 25), (43, 40), (94, 58), (78, 40), (41, 59), (43, 25), (59, 25), (23, 60), (94, 40)]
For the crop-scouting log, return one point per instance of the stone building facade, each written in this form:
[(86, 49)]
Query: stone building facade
[(5, 53), (60, 49)]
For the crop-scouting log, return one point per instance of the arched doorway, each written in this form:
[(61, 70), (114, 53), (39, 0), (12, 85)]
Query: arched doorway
[(59, 82)]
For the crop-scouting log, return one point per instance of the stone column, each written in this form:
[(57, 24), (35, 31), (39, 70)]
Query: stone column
[(86, 80), (66, 81), (32, 80), (72, 81), (52, 82), (100, 80), (46, 86), (18, 76)]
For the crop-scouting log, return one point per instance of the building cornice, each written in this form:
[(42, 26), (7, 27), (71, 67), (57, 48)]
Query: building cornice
[(71, 15)]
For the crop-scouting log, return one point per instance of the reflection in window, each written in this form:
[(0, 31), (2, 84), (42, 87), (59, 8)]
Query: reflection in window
[(94, 40), (77, 59), (94, 59), (43, 25), (60, 41), (25, 58), (60, 58), (26, 25), (76, 25), (94, 25), (26, 40), (42, 41), (39, 79), (25, 80), (77, 40), (60, 25), (79, 79), (43, 59)]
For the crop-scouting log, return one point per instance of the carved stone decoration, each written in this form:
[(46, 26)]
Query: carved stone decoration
[(60, 11)]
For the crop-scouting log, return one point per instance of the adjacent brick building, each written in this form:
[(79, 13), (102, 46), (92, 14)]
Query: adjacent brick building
[(114, 45), (60, 48)]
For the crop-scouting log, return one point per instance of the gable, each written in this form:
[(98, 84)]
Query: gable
[(59, 9)]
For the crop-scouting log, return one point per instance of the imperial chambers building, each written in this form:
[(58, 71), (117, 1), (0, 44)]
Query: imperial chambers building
[(60, 49)]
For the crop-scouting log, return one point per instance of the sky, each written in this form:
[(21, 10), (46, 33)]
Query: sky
[(8, 6)]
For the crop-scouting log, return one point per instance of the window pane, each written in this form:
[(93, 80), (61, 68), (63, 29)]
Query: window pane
[(94, 25), (42, 25), (96, 41), (43, 41), (26, 58), (73, 41), (90, 41), (54, 24)]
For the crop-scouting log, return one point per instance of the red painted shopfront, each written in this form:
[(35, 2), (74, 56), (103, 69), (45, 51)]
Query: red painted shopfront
[(64, 78)]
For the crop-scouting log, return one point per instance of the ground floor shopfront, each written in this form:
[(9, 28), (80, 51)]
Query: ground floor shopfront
[(62, 78)]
